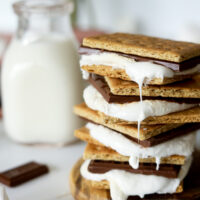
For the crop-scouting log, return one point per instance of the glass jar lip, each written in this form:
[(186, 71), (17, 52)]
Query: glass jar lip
[(43, 6)]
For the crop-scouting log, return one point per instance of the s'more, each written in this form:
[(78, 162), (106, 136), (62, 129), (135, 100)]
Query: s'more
[(156, 61), (142, 112)]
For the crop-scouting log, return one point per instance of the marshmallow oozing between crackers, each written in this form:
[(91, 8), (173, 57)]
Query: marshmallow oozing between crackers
[(131, 111)]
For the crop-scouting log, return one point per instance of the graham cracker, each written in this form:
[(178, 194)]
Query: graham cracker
[(99, 152), (121, 73), (146, 131), (186, 89), (186, 116), (84, 135), (144, 46), (82, 188), (105, 185)]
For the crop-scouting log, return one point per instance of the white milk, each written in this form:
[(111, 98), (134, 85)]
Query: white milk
[(40, 85)]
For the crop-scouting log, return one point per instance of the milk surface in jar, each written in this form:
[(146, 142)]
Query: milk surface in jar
[(40, 75)]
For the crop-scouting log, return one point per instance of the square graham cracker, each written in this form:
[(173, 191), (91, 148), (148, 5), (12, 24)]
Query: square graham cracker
[(144, 46), (146, 131), (100, 152), (105, 185), (189, 88)]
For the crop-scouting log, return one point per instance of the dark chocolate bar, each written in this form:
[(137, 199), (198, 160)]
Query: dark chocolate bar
[(100, 84), (165, 170), (178, 67), (22, 174)]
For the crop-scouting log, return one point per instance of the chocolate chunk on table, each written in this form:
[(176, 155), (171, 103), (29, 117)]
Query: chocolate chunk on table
[(22, 174)]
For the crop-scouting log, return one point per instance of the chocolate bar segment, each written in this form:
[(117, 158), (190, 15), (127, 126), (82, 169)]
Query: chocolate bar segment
[(22, 174), (100, 167), (177, 67), (101, 85)]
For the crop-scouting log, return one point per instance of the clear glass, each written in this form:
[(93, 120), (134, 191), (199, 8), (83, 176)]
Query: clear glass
[(40, 77), (43, 17)]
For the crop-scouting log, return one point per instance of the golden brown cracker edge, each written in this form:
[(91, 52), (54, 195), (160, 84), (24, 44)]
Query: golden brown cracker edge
[(145, 46)]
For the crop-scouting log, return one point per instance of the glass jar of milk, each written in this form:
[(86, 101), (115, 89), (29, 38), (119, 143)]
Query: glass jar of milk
[(40, 76)]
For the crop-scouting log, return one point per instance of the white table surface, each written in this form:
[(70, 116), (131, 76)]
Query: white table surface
[(54, 185)]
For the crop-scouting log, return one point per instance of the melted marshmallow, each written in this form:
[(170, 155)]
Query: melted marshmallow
[(3, 194), (139, 72), (131, 111), (183, 145), (124, 184)]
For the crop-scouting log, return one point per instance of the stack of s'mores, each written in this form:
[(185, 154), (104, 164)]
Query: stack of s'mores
[(142, 112)]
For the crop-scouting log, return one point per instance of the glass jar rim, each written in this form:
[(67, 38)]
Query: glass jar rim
[(43, 6)]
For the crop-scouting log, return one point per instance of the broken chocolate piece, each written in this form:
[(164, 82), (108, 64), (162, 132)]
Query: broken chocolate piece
[(22, 174)]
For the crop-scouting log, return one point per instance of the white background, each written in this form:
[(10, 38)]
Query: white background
[(178, 19)]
